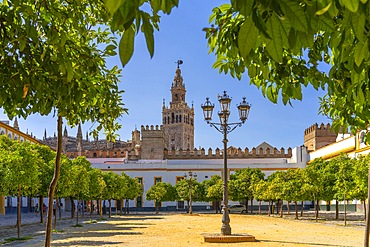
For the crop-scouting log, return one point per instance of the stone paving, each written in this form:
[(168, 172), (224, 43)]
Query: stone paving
[(31, 225)]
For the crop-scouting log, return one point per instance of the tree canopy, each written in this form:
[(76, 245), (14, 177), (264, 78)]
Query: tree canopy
[(284, 45)]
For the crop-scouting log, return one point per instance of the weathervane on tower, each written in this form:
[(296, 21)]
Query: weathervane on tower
[(178, 63)]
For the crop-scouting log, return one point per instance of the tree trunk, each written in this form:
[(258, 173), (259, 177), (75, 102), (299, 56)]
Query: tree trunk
[(53, 183), (296, 210), (77, 213), (55, 213), (365, 209), (101, 209), (315, 206), (251, 205), (19, 205), (259, 207), (156, 207), (277, 207), (302, 206), (288, 207), (58, 207), (367, 228), (121, 207), (127, 206), (317, 209), (41, 210), (281, 208), (91, 209), (110, 208), (269, 209), (345, 209), (73, 208), (336, 209), (83, 209), (246, 205)]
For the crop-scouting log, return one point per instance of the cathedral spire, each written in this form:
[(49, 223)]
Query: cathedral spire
[(79, 140), (79, 132), (45, 134), (15, 125), (65, 131), (178, 90)]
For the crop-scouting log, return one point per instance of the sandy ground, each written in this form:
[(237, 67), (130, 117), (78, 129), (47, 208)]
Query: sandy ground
[(164, 230)]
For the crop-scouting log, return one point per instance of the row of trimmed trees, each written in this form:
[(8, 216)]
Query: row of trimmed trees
[(26, 170), (339, 179)]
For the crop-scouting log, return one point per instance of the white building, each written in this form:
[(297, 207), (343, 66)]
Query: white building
[(151, 171)]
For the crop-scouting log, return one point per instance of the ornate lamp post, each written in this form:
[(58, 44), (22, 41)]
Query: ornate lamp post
[(224, 127), (191, 175)]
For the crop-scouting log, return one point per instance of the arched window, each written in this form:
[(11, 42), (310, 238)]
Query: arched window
[(168, 119), (177, 118), (164, 120), (2, 132), (173, 117), (9, 136), (180, 118), (94, 155)]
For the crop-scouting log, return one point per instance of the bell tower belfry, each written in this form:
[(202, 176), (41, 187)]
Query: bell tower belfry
[(178, 118)]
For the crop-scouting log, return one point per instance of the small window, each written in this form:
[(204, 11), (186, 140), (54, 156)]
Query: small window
[(157, 180)]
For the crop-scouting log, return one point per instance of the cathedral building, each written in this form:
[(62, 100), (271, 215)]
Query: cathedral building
[(178, 118)]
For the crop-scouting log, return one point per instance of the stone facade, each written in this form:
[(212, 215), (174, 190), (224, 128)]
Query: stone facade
[(316, 137), (152, 143), (78, 146)]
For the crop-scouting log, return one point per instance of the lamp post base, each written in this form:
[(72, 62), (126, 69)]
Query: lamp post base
[(235, 238), (226, 229)]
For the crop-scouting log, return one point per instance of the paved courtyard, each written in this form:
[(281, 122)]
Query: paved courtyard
[(168, 229)]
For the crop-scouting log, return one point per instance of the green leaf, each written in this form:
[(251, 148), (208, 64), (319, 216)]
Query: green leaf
[(271, 94), (156, 5), (358, 25), (148, 31), (126, 45), (361, 52), (69, 71), (324, 10), (295, 13), (247, 37), (22, 43), (113, 5), (292, 38), (274, 46), (167, 5), (351, 5), (244, 7), (360, 96)]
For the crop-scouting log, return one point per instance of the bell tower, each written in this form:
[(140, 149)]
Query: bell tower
[(178, 118)]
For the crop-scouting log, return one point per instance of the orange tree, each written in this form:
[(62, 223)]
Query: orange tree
[(53, 61), (21, 173)]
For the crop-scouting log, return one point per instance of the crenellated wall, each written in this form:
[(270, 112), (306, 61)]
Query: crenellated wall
[(231, 153), (152, 142), (316, 136)]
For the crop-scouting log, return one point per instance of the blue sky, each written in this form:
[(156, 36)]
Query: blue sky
[(147, 82)]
